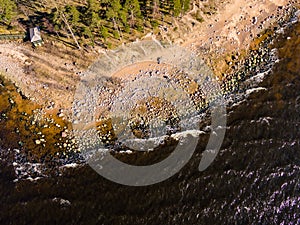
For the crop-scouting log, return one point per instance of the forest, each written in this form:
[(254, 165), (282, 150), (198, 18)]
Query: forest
[(90, 22)]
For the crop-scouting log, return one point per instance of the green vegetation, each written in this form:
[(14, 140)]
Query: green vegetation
[(198, 16), (97, 22), (177, 7), (7, 10), (114, 20)]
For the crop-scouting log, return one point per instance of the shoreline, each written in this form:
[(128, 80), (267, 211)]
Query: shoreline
[(75, 159), (63, 115), (46, 77), (253, 180)]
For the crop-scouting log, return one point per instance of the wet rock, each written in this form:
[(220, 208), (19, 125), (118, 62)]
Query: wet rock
[(60, 115), (63, 134), (62, 202)]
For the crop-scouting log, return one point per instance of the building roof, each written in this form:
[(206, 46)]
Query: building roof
[(35, 34)]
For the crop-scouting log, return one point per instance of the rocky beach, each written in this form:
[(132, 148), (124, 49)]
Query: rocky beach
[(253, 179)]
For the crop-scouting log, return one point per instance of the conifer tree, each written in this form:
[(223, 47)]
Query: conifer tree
[(177, 7), (73, 14), (104, 32), (57, 19), (95, 20), (92, 18), (144, 7), (93, 6), (155, 8), (134, 12), (180, 6), (186, 5), (115, 13), (7, 10), (62, 19)]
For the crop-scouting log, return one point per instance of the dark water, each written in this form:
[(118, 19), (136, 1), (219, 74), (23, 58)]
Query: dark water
[(255, 178)]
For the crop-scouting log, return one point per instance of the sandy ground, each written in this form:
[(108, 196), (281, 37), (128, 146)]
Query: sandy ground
[(44, 77), (232, 26), (51, 78)]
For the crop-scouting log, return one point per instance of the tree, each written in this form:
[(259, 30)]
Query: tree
[(180, 6), (7, 10), (155, 8), (92, 13), (61, 16), (56, 19), (115, 13), (186, 5), (73, 14), (144, 6), (133, 11), (104, 32), (93, 5), (95, 20), (177, 7), (70, 29), (87, 32)]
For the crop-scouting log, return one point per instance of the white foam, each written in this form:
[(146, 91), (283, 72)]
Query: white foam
[(70, 165), (252, 90), (194, 133)]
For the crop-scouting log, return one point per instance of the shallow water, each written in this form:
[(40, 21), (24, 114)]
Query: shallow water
[(37, 132), (255, 178)]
